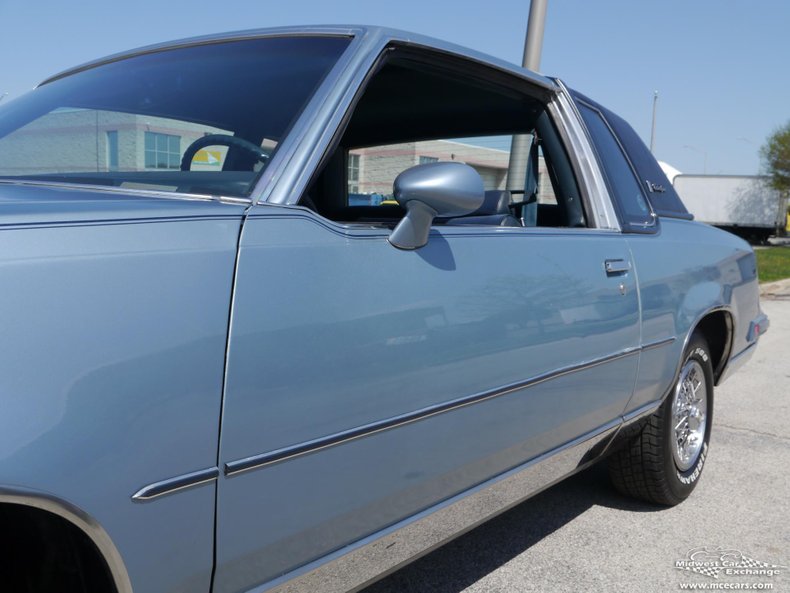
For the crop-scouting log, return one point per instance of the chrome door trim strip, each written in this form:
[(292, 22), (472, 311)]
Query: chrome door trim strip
[(176, 484), (371, 558), (642, 411), (658, 343), (76, 516), (252, 462)]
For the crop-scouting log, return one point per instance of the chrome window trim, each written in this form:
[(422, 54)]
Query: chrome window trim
[(314, 131), (437, 46), (652, 226), (87, 524), (589, 205), (176, 484), (253, 462), (581, 151), (373, 231), (286, 176), (372, 558)]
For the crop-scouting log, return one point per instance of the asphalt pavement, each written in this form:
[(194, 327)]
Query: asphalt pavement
[(581, 535)]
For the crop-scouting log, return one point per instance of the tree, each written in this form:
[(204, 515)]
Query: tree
[(775, 154)]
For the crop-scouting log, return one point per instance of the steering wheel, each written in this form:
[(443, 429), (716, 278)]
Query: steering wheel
[(222, 140)]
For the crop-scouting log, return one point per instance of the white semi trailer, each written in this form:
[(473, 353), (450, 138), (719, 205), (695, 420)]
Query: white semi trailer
[(742, 204)]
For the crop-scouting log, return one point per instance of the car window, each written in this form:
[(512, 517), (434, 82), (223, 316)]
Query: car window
[(197, 119), (372, 170), (623, 183), (662, 196), (504, 134)]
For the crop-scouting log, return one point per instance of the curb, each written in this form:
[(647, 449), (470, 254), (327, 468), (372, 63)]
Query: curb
[(779, 290)]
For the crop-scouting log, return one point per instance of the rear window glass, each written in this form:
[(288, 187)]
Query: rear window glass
[(201, 119)]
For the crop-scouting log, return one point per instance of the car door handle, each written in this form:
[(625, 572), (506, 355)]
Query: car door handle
[(616, 266)]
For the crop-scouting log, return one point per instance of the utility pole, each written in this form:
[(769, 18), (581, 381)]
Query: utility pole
[(653, 129), (533, 43), (533, 46)]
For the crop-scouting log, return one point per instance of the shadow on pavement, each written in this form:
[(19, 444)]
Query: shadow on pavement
[(464, 561)]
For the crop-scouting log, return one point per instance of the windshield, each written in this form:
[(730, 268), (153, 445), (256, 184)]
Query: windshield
[(203, 119)]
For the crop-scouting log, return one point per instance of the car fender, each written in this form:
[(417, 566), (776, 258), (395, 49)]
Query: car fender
[(79, 518)]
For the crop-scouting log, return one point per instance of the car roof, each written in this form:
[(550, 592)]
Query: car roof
[(372, 34)]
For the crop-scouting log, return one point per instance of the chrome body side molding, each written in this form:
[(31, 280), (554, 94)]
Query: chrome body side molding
[(641, 412), (175, 484), (258, 461), (238, 466), (372, 558), (658, 343), (737, 362), (727, 358), (757, 328)]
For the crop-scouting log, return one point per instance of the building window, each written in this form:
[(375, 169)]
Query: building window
[(353, 173), (424, 160), (162, 151), (112, 150)]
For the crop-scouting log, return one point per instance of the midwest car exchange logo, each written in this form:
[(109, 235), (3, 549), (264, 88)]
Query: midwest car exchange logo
[(719, 562)]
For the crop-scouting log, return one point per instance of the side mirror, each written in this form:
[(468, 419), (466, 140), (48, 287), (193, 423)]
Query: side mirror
[(443, 189)]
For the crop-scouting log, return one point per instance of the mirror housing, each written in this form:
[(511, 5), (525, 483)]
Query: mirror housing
[(445, 189)]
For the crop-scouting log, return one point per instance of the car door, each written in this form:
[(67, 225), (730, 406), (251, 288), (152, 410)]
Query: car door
[(343, 347), (642, 193), (366, 384)]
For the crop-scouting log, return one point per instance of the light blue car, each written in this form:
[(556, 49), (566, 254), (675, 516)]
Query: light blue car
[(285, 309)]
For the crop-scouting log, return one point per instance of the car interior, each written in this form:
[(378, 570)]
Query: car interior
[(410, 102)]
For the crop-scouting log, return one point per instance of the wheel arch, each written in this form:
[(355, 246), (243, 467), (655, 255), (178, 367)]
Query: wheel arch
[(717, 326), (93, 531)]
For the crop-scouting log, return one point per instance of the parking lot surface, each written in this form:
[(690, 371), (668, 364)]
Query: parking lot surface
[(581, 535)]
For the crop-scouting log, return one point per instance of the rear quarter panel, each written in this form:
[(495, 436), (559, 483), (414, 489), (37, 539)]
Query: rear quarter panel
[(684, 272)]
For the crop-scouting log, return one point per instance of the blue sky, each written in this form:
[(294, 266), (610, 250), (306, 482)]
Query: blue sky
[(721, 67)]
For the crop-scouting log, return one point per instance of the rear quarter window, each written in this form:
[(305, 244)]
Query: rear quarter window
[(624, 185)]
